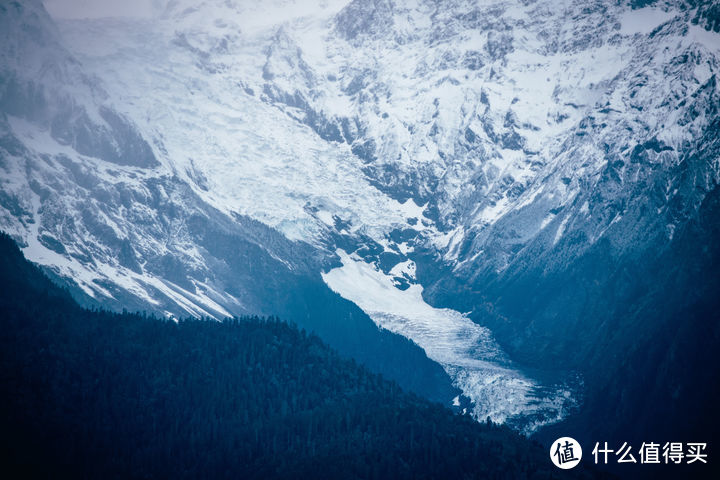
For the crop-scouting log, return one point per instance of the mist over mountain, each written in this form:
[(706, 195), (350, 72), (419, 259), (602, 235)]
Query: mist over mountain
[(523, 196)]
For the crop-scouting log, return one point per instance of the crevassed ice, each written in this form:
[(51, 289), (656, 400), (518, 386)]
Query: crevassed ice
[(466, 350)]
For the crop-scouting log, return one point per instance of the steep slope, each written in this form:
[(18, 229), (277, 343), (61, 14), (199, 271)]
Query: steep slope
[(99, 395), (257, 157), (127, 234), (525, 164)]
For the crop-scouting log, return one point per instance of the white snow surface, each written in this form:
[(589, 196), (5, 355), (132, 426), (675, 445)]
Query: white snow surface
[(203, 97), (255, 159), (466, 350), (643, 20)]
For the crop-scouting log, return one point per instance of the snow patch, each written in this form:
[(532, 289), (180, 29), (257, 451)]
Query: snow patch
[(404, 269), (561, 230), (643, 20)]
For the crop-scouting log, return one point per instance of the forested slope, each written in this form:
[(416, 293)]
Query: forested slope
[(94, 394)]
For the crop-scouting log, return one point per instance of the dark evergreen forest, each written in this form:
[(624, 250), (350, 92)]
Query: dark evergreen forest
[(94, 394)]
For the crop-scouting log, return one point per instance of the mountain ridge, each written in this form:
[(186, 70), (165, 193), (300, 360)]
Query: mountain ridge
[(459, 150), (91, 394)]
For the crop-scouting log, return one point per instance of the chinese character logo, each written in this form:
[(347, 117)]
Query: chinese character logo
[(672, 452), (565, 452)]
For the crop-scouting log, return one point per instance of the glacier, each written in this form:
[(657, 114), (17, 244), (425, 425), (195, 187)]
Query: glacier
[(468, 352), (439, 154)]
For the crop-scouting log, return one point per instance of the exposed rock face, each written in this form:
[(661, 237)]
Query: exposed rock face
[(551, 169)]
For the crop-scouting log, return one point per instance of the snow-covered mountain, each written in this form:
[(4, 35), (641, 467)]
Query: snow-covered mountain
[(127, 234), (232, 157)]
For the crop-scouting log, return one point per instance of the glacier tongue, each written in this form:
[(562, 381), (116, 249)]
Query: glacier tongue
[(466, 350)]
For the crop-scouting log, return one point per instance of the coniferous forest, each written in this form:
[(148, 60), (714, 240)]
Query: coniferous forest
[(94, 394)]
